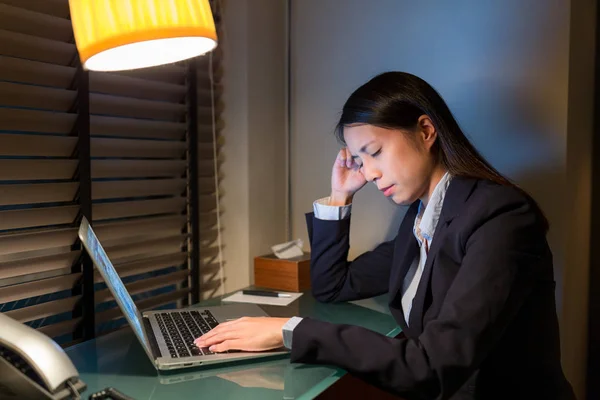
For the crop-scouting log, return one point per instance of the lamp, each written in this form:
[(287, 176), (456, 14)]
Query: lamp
[(113, 35)]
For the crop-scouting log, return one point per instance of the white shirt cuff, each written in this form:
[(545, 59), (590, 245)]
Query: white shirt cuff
[(288, 331), (324, 211)]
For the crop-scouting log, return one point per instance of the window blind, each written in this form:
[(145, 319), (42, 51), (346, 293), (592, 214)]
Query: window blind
[(39, 280), (137, 125)]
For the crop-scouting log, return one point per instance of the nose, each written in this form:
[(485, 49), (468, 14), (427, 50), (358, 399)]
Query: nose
[(370, 172)]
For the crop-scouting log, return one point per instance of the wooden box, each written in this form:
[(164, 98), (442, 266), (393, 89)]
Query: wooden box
[(292, 274)]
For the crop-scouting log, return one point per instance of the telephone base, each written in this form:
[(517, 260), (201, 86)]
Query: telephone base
[(16, 384)]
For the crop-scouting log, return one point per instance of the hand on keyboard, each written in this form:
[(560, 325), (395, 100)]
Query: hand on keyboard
[(247, 334), (179, 328)]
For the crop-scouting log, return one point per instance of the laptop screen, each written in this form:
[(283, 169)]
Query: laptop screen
[(113, 282)]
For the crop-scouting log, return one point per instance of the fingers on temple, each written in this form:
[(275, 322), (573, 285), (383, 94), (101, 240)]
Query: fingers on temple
[(341, 158), (349, 159), (344, 158)]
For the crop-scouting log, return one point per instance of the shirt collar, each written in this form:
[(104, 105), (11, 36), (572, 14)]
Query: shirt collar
[(427, 219)]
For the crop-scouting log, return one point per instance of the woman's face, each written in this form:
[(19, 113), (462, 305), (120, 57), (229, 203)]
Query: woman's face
[(400, 164)]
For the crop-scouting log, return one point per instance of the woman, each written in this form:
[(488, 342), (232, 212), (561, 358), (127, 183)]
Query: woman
[(469, 274)]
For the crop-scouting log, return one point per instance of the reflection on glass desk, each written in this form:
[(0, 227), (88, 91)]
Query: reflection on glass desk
[(118, 360)]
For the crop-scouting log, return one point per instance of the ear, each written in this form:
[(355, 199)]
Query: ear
[(426, 131)]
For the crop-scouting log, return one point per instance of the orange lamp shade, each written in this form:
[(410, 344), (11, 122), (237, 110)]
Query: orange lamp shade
[(113, 35)]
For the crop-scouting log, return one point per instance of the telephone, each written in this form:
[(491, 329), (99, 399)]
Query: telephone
[(33, 366)]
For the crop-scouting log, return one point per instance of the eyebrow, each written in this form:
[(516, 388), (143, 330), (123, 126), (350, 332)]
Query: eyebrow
[(363, 149)]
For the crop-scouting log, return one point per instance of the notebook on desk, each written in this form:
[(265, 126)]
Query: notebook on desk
[(167, 336)]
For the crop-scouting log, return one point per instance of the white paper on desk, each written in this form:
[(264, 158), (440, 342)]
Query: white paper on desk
[(240, 297)]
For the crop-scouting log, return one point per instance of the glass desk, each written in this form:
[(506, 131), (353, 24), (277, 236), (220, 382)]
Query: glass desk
[(118, 360)]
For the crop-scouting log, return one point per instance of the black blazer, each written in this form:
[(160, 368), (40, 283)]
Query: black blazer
[(483, 323)]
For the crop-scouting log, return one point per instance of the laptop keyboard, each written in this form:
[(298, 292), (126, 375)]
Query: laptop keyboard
[(181, 328)]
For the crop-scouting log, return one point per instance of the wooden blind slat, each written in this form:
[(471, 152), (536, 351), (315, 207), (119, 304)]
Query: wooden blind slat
[(210, 269), (203, 63), (210, 287), (123, 253), (173, 74), (37, 193), (38, 288), (142, 242), (209, 220), (18, 19), (205, 128), (35, 72), (205, 114), (18, 95), (206, 185), (44, 310), (147, 227), (206, 154), (36, 265), (203, 78), (132, 128), (145, 285), (37, 169), (118, 189), (144, 305), (60, 328), (207, 202), (58, 8), (205, 97), (102, 147), (135, 108), (137, 168), (21, 279), (36, 121), (209, 253), (108, 83), (37, 217), (208, 237), (36, 48), (205, 131), (208, 147), (137, 208), (37, 145), (18, 245), (148, 264), (206, 173)]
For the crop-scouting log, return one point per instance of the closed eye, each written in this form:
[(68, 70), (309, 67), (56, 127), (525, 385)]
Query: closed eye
[(376, 153)]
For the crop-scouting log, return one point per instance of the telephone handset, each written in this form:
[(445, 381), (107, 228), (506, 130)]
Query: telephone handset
[(33, 366)]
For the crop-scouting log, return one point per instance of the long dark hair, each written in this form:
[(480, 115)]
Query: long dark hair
[(396, 100)]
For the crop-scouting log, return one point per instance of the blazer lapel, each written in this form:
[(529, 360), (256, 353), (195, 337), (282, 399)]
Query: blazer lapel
[(458, 192)]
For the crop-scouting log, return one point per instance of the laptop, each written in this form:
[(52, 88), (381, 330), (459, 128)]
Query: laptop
[(167, 336)]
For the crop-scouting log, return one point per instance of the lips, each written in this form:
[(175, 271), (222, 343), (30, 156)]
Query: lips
[(387, 191)]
